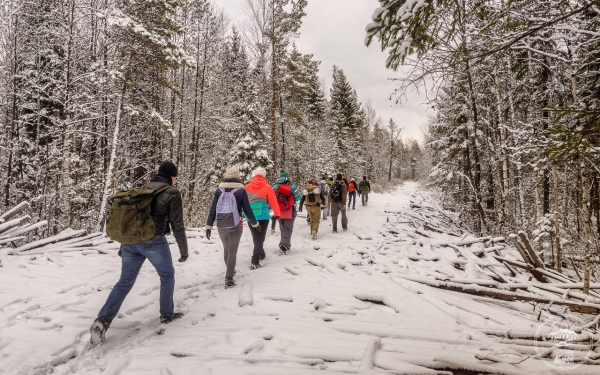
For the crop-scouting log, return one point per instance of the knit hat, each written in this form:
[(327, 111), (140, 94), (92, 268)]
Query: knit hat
[(167, 169), (311, 182), (283, 173), (232, 173), (352, 179), (260, 171)]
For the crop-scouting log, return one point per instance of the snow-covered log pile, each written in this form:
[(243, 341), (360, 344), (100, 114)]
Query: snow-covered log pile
[(17, 229), (484, 266)]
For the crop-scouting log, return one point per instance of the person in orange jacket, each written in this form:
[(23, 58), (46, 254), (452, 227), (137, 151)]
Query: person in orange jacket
[(262, 200)]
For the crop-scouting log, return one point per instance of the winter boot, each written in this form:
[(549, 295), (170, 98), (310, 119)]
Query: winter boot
[(254, 266), (284, 249), (229, 283), (176, 315), (98, 330)]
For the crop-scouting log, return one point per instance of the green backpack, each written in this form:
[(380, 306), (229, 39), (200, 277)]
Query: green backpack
[(130, 217)]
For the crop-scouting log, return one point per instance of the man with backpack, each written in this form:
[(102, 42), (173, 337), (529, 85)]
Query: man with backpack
[(139, 220), (314, 199), (262, 200), (364, 189), (337, 196), (287, 195), (229, 201)]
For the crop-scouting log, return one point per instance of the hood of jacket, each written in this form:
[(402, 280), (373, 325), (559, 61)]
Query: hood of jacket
[(258, 182)]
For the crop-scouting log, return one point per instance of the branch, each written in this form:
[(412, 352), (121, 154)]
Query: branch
[(530, 32)]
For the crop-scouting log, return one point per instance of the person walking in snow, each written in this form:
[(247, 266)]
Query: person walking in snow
[(329, 184), (337, 196), (364, 188), (229, 201), (324, 187), (167, 214), (262, 201), (314, 198), (352, 191), (287, 195)]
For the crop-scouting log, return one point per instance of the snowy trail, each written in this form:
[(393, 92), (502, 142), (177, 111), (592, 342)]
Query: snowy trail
[(337, 305)]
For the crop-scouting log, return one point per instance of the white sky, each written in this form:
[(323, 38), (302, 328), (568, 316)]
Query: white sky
[(334, 31)]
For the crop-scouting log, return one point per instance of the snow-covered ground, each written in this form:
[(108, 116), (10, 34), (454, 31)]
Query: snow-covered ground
[(337, 305)]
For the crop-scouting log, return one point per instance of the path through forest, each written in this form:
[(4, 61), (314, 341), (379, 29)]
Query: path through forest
[(337, 305)]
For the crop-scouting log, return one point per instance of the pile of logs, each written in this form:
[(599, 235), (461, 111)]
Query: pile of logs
[(493, 267), (17, 230)]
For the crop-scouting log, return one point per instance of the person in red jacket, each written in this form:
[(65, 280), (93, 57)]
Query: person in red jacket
[(262, 200), (352, 191)]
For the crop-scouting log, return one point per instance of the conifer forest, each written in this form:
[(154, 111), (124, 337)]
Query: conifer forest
[(95, 94)]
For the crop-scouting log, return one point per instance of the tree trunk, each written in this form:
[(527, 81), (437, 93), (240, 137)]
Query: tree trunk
[(556, 222), (273, 89), (113, 157)]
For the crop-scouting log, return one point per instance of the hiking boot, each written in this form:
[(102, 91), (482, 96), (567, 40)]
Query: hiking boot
[(176, 315), (262, 256), (314, 235), (254, 266), (335, 231), (229, 283), (284, 249), (344, 229), (98, 331)]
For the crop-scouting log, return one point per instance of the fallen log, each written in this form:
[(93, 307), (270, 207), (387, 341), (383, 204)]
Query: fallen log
[(14, 211), (461, 243), (580, 307), (10, 239), (13, 223), (64, 235), (536, 272), (26, 229), (532, 254), (524, 255)]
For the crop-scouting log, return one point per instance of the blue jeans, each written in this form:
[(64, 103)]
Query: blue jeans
[(351, 199), (157, 252)]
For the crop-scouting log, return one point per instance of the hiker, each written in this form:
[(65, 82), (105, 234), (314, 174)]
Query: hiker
[(226, 209), (314, 198), (329, 183), (352, 190), (163, 200), (262, 201), (364, 188), (325, 189), (337, 197), (287, 195)]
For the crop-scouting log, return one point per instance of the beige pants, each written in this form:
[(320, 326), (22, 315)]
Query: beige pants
[(314, 213)]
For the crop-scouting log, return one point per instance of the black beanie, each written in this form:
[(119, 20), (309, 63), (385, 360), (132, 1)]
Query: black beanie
[(167, 169)]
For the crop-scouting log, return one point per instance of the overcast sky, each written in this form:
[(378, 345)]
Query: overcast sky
[(334, 31)]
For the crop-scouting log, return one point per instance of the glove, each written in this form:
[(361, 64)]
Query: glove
[(258, 228), (183, 258), (275, 217), (208, 234)]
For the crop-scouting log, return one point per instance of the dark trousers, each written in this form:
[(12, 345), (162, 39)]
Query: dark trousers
[(259, 240), (351, 199)]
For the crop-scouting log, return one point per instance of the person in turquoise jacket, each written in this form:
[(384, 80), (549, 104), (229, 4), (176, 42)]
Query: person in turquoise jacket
[(287, 206)]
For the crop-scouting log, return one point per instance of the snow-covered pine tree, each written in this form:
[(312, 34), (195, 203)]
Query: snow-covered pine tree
[(345, 118)]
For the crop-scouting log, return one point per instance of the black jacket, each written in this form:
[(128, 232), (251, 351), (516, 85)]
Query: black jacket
[(167, 210), (241, 198)]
